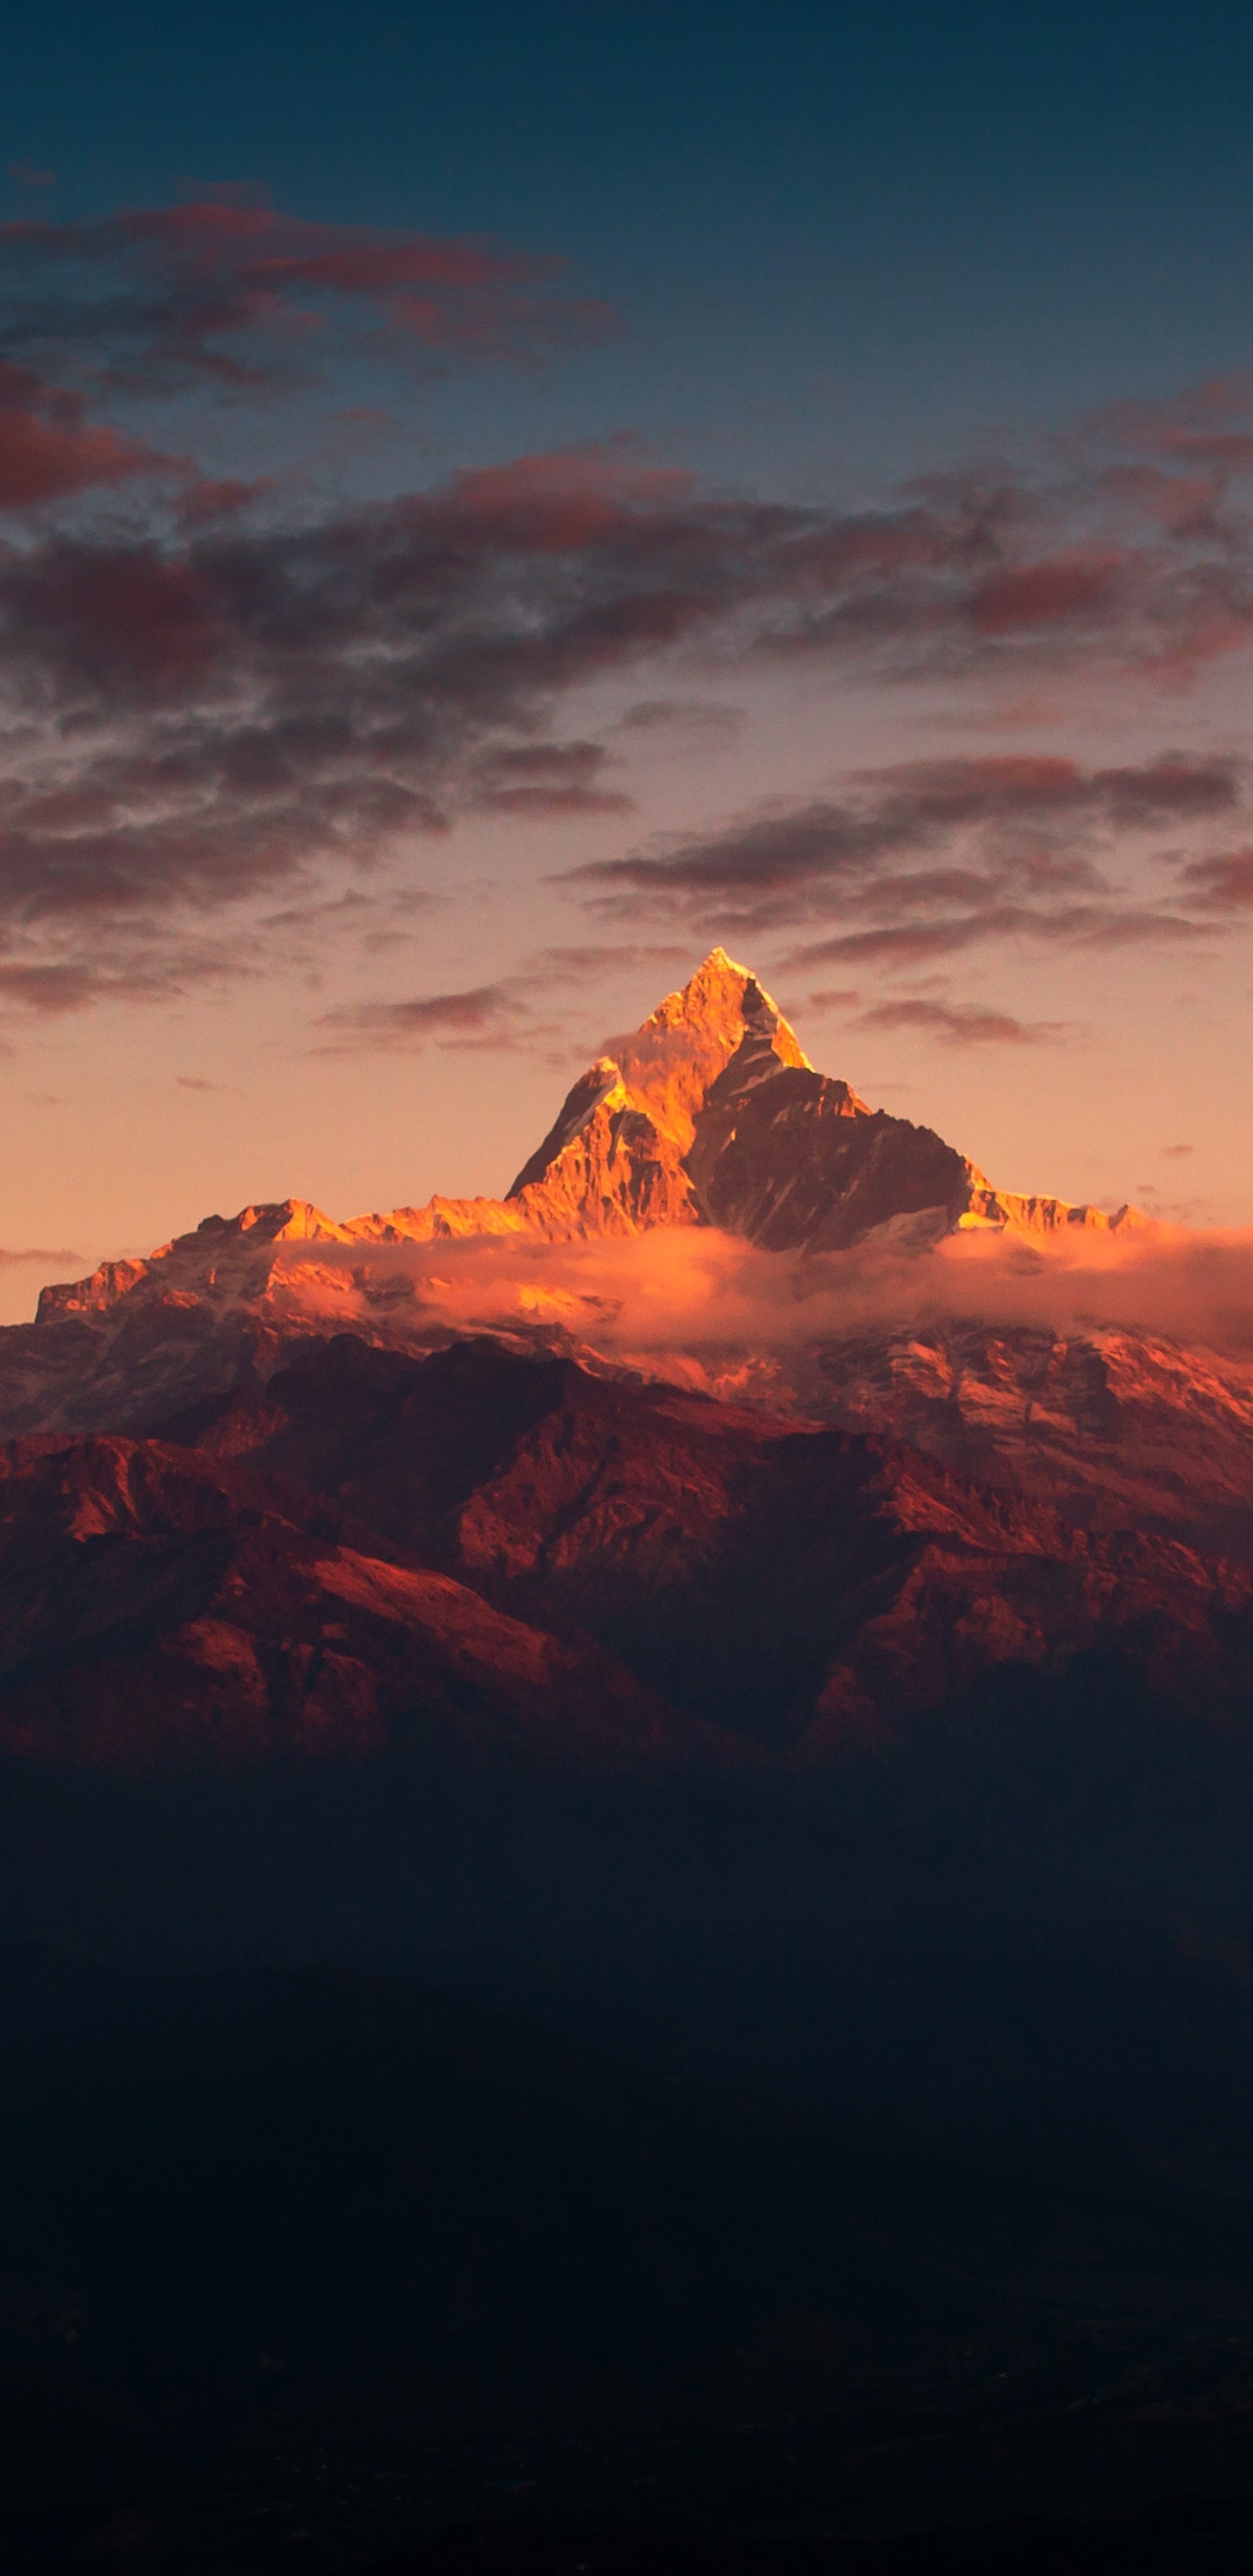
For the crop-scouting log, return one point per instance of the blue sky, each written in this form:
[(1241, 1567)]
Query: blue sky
[(841, 239)]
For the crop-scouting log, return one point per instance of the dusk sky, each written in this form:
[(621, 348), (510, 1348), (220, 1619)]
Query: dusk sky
[(498, 499)]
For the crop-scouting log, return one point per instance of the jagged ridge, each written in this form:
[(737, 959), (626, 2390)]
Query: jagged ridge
[(709, 1115)]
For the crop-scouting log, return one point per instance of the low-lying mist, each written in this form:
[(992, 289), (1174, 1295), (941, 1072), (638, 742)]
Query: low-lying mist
[(693, 1290)]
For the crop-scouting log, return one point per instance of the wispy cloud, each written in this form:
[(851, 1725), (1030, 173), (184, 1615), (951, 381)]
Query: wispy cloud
[(924, 860), (706, 721), (152, 299), (964, 1024), (1223, 883), (485, 1016), (507, 1015), (682, 1296), (218, 700), (58, 1259), (50, 451)]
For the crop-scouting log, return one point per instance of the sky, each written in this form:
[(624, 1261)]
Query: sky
[(495, 500)]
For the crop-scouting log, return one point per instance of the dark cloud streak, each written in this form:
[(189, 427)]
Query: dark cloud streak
[(153, 299), (1014, 845), (964, 1024), (225, 703)]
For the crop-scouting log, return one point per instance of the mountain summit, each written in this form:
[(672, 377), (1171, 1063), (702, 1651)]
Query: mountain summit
[(708, 1115), (711, 1114), (642, 1127)]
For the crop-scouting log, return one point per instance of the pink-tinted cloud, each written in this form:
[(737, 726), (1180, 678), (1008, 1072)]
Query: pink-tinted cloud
[(237, 699), (153, 297), (483, 1014), (551, 781), (58, 1259), (1046, 594), (1223, 883), (692, 1304), (49, 451), (510, 1013)]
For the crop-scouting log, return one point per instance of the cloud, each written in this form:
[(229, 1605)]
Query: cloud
[(197, 721), (135, 966), (1057, 590), (505, 1015), (238, 695), (152, 299), (50, 452), (50, 991), (930, 857), (550, 782), (838, 998), (571, 965), (1069, 925), (964, 1024), (706, 720), (703, 1307), (10, 1260), (1223, 883), (481, 1017)]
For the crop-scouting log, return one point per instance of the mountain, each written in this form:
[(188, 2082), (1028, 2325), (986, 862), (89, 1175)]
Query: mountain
[(794, 1587), (906, 1516), (158, 1606), (484, 1553), (708, 1116)]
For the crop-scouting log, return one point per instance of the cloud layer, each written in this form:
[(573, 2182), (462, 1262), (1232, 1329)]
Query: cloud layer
[(686, 1299), (926, 859), (223, 691)]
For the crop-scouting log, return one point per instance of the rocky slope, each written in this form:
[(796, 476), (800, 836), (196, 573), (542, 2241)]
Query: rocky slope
[(1116, 1429), (158, 1607), (508, 1558)]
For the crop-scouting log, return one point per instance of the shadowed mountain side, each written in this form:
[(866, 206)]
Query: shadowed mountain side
[(1116, 1429), (792, 1585), (158, 1609), (799, 1164)]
